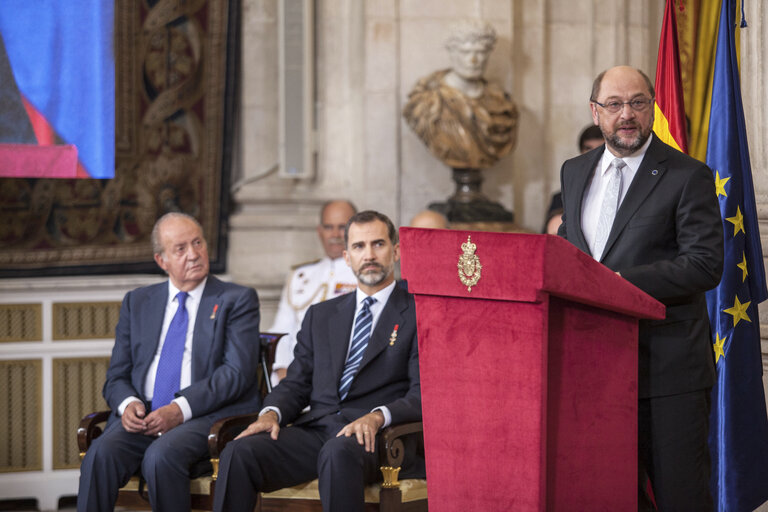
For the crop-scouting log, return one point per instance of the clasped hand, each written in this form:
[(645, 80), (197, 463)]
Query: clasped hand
[(136, 420)]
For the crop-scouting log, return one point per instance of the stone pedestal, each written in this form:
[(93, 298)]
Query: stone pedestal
[(469, 206)]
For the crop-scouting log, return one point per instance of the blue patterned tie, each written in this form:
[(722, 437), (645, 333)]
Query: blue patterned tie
[(360, 340), (168, 376)]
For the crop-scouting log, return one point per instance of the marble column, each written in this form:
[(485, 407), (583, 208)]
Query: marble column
[(754, 83)]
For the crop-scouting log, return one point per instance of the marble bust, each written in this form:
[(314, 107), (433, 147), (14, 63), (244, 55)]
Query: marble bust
[(464, 120)]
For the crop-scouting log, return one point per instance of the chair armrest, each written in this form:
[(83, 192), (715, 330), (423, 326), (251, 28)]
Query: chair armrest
[(393, 450), (268, 348), (226, 429), (222, 432), (90, 429)]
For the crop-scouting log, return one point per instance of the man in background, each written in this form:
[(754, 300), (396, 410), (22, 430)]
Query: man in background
[(313, 282), (590, 138), (429, 219)]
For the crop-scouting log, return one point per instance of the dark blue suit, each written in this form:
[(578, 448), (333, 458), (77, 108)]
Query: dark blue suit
[(225, 351), (388, 376)]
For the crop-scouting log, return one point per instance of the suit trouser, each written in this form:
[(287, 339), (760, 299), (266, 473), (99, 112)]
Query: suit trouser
[(258, 463), (673, 451), (165, 463)]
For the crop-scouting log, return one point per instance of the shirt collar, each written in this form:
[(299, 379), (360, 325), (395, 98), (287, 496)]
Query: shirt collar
[(195, 294), (633, 161), (381, 296)]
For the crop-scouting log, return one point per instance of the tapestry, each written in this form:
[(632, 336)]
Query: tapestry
[(175, 84)]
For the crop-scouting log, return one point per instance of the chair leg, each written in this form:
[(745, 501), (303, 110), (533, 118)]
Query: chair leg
[(390, 499)]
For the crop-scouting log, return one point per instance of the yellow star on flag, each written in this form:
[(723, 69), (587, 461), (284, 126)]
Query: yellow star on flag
[(743, 267), (739, 311), (737, 221), (720, 185), (718, 347)]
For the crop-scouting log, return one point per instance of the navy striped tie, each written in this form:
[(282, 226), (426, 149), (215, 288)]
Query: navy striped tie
[(360, 340)]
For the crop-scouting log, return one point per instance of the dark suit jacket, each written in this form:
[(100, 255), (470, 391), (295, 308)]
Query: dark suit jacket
[(225, 348), (388, 374), (667, 240)]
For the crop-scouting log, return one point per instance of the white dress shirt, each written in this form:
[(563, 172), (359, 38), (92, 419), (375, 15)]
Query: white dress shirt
[(593, 198), (192, 303)]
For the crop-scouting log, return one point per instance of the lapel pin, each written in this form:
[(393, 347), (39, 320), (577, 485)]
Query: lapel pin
[(215, 309), (393, 336), (654, 172)]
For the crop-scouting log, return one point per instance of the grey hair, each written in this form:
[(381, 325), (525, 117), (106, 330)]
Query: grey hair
[(330, 202), (157, 246)]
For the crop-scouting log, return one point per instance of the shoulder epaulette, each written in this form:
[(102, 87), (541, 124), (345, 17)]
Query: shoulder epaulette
[(299, 265)]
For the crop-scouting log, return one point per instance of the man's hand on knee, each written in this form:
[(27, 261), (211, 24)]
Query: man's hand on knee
[(364, 429), (133, 418), (267, 422), (164, 419)]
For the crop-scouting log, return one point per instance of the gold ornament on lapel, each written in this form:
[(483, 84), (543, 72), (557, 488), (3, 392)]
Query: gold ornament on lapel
[(393, 336), (469, 265)]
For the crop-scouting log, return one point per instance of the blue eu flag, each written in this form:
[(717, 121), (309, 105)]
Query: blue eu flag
[(738, 424)]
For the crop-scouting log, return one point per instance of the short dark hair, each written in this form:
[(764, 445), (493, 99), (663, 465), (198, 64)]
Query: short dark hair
[(599, 80), (367, 216), (591, 132)]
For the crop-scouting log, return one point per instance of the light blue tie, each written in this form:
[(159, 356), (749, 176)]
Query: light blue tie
[(609, 208), (362, 335), (168, 376)]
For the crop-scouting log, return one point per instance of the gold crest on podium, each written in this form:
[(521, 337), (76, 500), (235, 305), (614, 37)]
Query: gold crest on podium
[(469, 265)]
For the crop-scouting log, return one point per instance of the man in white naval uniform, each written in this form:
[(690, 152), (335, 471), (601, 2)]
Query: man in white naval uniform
[(313, 282)]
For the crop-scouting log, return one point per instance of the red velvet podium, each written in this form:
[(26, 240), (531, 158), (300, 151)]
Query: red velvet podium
[(529, 379)]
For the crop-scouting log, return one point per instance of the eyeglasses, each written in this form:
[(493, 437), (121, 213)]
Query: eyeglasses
[(638, 105)]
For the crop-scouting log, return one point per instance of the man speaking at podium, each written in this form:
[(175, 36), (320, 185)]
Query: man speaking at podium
[(649, 212)]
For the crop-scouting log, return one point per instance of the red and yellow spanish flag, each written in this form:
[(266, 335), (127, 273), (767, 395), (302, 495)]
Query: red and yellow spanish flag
[(701, 38), (669, 110)]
